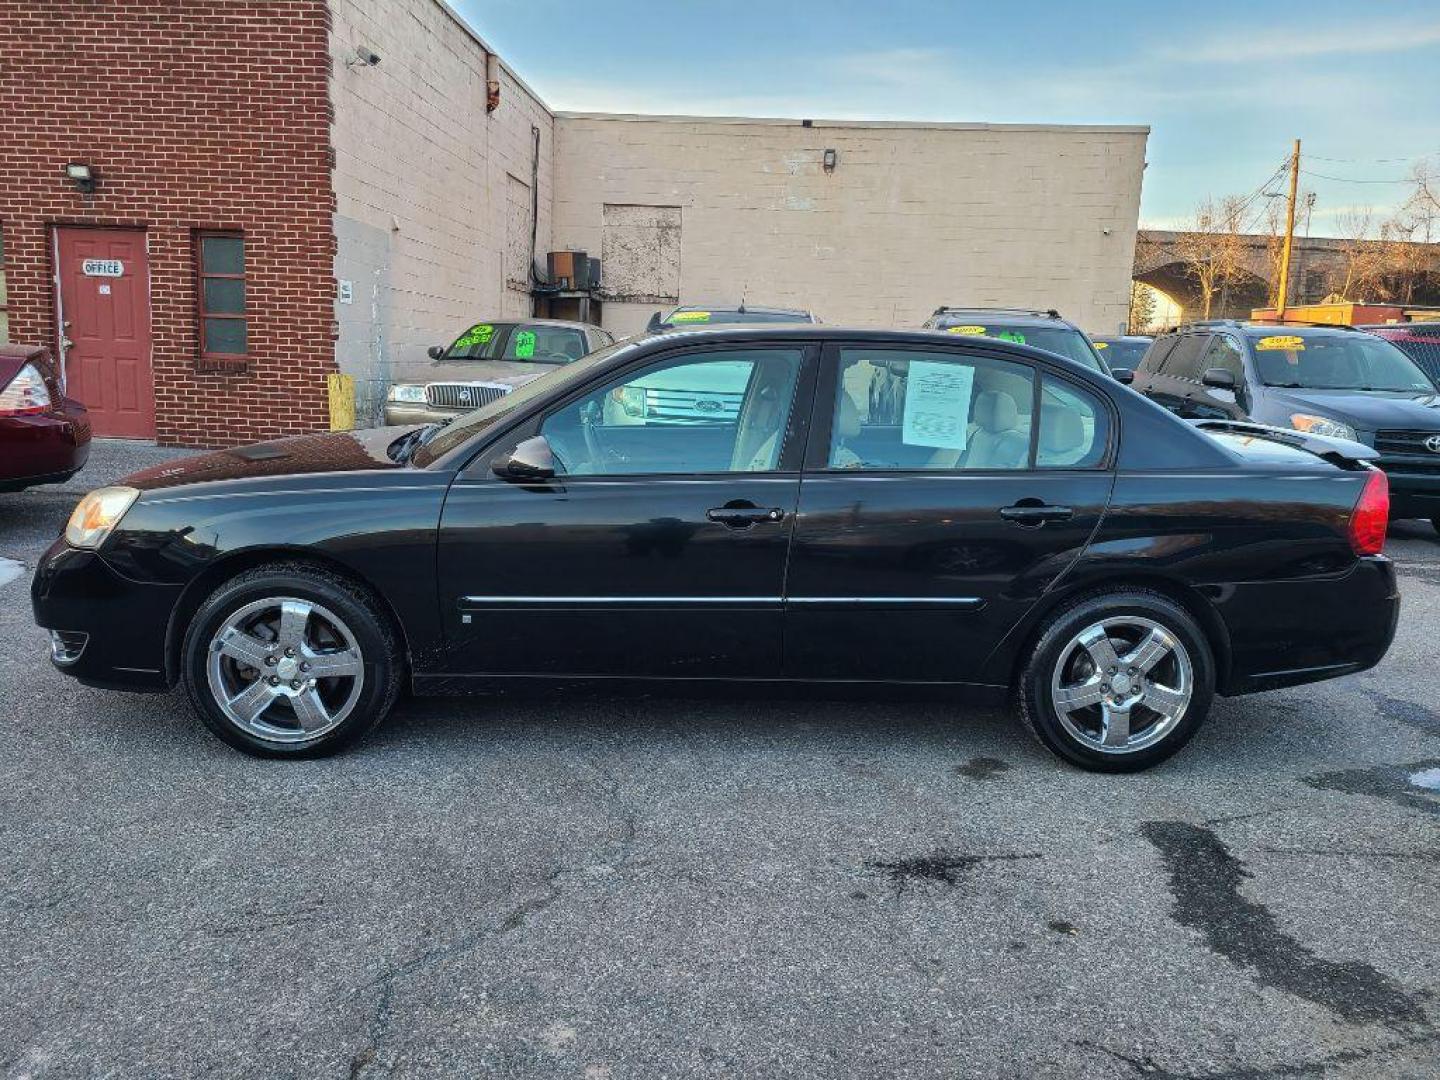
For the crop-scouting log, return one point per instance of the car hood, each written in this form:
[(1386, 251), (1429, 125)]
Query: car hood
[(330, 452), (492, 371), (1369, 409)]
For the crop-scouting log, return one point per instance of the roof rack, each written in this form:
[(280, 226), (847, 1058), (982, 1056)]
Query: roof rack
[(1047, 313)]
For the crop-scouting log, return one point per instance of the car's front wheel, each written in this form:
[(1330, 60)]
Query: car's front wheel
[(1118, 681), (290, 660)]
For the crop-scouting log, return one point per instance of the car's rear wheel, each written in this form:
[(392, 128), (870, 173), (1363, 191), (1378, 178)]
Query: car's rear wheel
[(291, 661), (1118, 681)]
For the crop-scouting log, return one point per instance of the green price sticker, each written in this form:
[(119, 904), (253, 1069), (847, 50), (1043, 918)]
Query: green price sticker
[(479, 334), (524, 344), (1010, 335)]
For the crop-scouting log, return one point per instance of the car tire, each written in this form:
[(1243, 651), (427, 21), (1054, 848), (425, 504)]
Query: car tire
[(263, 642), (1144, 710)]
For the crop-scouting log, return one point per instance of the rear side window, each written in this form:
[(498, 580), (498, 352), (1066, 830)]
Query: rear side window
[(1184, 362), (1074, 427), (1155, 356), (904, 409), (1425, 351)]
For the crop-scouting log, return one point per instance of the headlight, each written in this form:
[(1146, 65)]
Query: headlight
[(409, 393), (97, 514), (1321, 425)]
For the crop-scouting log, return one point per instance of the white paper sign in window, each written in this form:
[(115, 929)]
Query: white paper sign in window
[(937, 405)]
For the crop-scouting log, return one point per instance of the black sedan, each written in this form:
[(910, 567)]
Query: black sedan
[(1014, 523)]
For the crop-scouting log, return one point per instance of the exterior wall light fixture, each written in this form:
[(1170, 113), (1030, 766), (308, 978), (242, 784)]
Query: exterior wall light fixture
[(831, 157), (82, 176)]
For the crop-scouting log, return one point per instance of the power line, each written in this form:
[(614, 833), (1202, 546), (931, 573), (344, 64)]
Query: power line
[(1373, 161), (1351, 180)]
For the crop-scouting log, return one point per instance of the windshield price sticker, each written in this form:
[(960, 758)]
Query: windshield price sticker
[(476, 335), (966, 330), (1010, 335), (1288, 342), (102, 268), (937, 405), (524, 344), (1101, 344), (690, 316)]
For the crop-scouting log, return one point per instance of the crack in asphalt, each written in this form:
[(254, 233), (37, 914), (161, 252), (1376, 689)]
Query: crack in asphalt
[(1205, 880), (1146, 1065), (1388, 782), (367, 1059)]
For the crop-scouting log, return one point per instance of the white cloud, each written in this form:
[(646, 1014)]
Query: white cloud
[(1281, 43)]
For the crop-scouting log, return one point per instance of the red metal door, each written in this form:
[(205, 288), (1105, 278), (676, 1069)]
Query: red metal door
[(105, 328)]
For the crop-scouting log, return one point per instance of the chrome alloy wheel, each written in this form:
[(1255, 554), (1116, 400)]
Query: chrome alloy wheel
[(1122, 684), (285, 670)]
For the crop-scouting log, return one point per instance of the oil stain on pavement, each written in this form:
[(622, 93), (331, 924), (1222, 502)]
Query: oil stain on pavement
[(1393, 783), (1205, 880), (941, 865)]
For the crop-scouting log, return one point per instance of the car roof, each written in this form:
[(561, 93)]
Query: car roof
[(573, 324), (1121, 337), (1420, 329), (863, 335)]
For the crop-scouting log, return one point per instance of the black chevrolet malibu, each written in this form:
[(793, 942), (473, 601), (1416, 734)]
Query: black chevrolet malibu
[(918, 509)]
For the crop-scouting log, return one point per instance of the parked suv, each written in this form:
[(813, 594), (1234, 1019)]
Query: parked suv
[(1419, 341), (1039, 329), (1326, 380)]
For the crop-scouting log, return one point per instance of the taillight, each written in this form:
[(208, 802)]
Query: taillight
[(25, 395), (1371, 516)]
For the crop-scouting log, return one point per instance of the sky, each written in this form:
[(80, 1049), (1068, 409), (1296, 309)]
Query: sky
[(1225, 87)]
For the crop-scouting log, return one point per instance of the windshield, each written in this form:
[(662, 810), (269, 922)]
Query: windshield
[(1334, 362), (702, 316), (1064, 340), (519, 342), (1122, 354), (462, 428)]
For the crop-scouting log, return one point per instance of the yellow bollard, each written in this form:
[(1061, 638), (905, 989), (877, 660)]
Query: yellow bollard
[(342, 401)]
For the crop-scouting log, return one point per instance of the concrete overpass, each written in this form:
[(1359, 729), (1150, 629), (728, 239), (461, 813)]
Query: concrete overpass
[(1317, 265)]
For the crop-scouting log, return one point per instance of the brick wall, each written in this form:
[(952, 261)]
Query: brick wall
[(196, 114)]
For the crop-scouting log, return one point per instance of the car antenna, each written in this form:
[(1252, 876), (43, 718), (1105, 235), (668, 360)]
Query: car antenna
[(743, 290)]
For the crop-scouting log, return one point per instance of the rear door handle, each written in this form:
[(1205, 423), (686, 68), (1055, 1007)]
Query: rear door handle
[(1033, 515), (734, 516)]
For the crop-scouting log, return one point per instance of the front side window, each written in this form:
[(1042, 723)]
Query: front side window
[(1224, 353), (712, 412), (910, 410), (224, 332)]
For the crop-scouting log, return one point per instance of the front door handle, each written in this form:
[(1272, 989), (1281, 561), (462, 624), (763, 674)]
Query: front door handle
[(741, 514), (1031, 513)]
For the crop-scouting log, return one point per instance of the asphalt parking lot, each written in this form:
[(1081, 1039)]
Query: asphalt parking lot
[(644, 888)]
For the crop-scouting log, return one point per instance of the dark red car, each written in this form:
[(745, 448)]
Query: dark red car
[(1420, 341), (44, 436)]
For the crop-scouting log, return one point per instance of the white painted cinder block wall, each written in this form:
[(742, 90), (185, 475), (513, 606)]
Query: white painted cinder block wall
[(432, 216), (913, 215)]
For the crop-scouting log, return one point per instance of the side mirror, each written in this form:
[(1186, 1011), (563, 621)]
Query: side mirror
[(436, 351), (1123, 375), (1218, 378), (530, 461), (654, 325)]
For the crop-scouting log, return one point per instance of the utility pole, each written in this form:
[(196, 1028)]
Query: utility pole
[(1284, 292)]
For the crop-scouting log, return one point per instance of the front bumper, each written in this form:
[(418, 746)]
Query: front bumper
[(120, 625), (402, 414), (44, 449), (1285, 633), (1414, 487)]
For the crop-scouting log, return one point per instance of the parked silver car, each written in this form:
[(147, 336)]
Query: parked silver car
[(486, 362)]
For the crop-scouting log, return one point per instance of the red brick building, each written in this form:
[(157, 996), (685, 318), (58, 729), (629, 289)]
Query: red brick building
[(193, 273)]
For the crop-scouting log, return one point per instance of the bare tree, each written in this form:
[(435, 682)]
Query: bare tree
[(1213, 249), (1363, 276), (1142, 308)]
